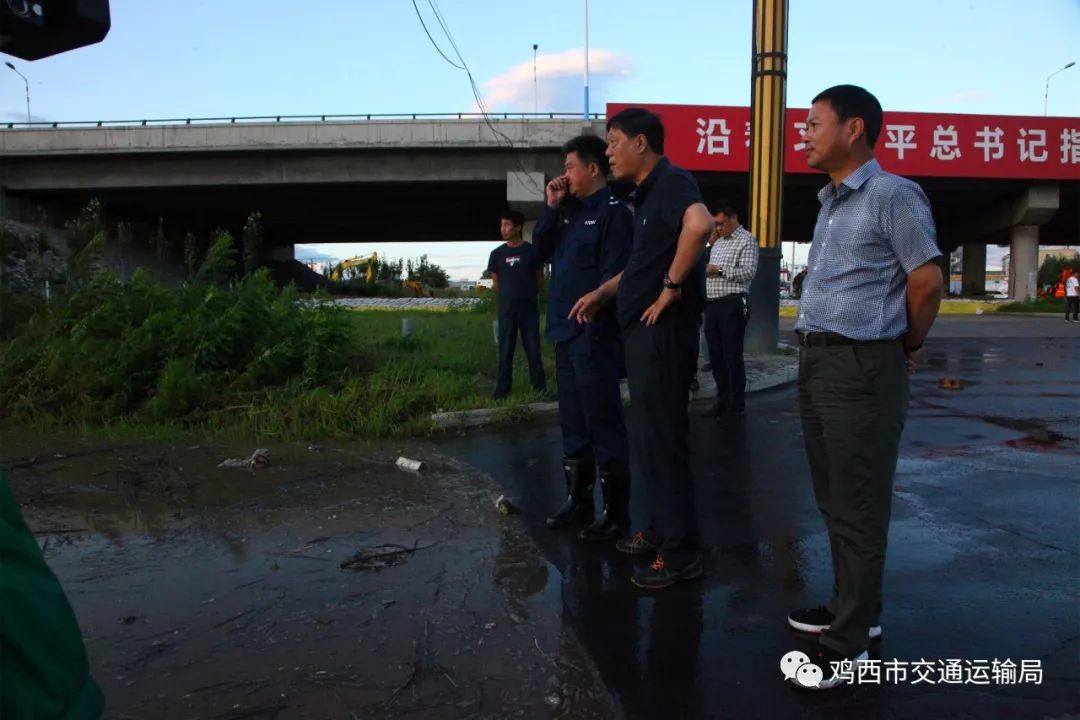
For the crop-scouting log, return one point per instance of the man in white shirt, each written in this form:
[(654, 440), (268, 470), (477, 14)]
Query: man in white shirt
[(1072, 298)]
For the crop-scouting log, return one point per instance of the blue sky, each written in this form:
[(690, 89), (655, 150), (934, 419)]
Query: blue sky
[(199, 58)]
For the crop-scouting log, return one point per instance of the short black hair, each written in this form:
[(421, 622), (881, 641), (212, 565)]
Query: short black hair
[(590, 149), (724, 206), (850, 101), (513, 216), (639, 121)]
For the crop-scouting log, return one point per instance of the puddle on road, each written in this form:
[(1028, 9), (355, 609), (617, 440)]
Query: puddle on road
[(204, 590)]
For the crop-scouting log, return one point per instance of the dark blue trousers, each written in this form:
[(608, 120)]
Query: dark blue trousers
[(524, 319), (587, 371)]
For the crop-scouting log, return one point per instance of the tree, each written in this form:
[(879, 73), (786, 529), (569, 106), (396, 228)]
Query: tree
[(86, 242), (430, 274), (191, 255), (1050, 270), (220, 260), (124, 238), (85, 227), (252, 240), (161, 242)]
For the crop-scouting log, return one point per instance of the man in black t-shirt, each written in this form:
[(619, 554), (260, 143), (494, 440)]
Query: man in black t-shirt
[(659, 298), (518, 272)]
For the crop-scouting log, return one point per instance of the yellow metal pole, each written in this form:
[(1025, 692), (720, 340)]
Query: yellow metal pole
[(768, 108)]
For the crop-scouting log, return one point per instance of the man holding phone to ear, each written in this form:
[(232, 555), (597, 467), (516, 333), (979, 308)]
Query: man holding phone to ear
[(586, 232)]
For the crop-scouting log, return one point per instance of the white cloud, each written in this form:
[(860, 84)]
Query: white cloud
[(965, 97), (558, 81)]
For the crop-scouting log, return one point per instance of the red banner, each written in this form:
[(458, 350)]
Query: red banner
[(711, 138)]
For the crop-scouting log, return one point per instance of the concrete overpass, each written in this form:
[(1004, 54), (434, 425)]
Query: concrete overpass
[(428, 178)]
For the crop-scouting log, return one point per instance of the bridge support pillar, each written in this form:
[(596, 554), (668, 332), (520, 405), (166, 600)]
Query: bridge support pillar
[(973, 270), (280, 253), (1023, 262), (525, 192)]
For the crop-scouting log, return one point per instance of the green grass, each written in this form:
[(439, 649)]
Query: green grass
[(451, 356), (1042, 305), (967, 307), (449, 364)]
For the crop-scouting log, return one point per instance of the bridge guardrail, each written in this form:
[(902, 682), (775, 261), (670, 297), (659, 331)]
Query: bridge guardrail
[(48, 125)]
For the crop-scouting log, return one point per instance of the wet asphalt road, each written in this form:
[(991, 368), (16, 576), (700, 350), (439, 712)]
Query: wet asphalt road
[(983, 563)]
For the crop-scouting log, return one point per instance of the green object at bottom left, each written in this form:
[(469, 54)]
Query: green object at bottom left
[(44, 672)]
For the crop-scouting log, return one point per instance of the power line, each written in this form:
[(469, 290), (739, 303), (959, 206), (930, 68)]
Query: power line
[(428, 33), (478, 96)]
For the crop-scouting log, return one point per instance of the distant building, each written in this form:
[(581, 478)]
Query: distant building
[(1044, 252), (997, 283)]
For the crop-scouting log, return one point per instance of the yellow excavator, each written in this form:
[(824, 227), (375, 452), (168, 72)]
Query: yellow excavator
[(419, 289), (368, 262)]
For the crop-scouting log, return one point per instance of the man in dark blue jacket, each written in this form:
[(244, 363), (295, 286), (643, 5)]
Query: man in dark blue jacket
[(587, 233)]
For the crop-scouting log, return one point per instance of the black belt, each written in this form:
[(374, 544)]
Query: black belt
[(825, 339), (725, 297)]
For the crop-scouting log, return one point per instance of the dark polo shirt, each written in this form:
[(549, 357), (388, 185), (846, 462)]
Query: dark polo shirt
[(659, 203)]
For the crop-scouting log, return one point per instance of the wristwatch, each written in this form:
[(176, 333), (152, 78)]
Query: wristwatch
[(671, 284), (912, 348)]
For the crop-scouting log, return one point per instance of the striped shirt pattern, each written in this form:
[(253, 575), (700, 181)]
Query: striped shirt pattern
[(737, 256), (871, 231)]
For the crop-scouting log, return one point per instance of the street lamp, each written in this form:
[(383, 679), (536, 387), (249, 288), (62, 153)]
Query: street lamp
[(535, 102), (586, 113), (1045, 97), (27, 84)]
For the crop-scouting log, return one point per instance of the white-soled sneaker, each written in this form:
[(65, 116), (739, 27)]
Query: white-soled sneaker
[(817, 620)]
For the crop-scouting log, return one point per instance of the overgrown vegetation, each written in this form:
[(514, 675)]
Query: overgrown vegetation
[(226, 354), (111, 351)]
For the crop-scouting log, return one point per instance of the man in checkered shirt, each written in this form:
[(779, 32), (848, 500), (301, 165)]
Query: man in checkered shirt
[(732, 264), (869, 299)]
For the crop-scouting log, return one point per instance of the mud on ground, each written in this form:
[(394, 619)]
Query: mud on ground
[(208, 592)]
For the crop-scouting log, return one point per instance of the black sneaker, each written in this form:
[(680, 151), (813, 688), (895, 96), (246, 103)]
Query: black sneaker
[(813, 666), (658, 575), (636, 545), (816, 620)]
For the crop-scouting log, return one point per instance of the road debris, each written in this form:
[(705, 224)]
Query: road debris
[(259, 458), (504, 506), (377, 557), (410, 465)]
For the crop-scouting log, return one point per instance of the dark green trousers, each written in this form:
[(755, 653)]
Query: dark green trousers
[(853, 401)]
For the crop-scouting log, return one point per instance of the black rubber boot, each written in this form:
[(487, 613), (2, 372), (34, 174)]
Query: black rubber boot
[(580, 476), (614, 522)]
